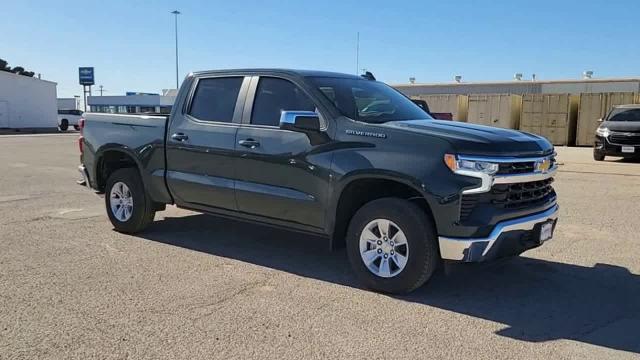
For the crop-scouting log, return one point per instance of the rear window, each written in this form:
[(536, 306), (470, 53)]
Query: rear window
[(215, 99), (70, 112)]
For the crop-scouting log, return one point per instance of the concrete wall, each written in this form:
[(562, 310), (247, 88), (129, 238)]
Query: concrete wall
[(524, 87), (521, 87), (27, 102), (591, 87)]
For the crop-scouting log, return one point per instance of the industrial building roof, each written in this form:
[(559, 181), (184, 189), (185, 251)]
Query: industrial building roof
[(512, 82)]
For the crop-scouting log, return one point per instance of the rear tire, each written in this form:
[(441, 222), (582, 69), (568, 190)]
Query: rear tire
[(64, 125), (598, 156), (409, 220), (132, 211), (76, 127)]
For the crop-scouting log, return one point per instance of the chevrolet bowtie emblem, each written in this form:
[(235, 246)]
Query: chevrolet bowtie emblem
[(543, 165)]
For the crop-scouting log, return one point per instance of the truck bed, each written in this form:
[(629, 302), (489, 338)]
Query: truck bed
[(142, 137)]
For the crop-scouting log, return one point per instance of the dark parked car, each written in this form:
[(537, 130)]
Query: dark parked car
[(337, 155), (425, 106), (619, 133)]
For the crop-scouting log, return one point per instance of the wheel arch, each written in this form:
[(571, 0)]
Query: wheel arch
[(112, 158), (358, 189)]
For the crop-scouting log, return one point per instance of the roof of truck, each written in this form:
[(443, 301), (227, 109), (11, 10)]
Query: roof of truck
[(305, 73)]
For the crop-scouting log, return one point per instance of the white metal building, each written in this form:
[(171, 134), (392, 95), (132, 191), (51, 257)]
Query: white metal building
[(131, 103), (27, 102)]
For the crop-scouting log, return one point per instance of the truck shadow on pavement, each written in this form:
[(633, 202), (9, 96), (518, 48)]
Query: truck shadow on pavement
[(537, 300)]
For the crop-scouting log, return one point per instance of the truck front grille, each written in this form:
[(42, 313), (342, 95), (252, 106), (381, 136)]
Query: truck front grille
[(509, 197), (632, 138), (520, 167), (522, 194), (516, 168)]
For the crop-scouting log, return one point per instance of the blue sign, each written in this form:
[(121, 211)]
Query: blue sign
[(86, 75)]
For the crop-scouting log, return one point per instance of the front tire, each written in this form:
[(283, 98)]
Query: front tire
[(598, 156), (392, 245), (128, 205)]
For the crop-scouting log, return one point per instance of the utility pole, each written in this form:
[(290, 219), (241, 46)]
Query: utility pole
[(176, 13), (101, 89)]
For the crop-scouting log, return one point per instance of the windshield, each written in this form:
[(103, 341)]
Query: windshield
[(368, 101), (624, 115)]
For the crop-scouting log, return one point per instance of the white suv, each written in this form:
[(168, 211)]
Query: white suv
[(68, 117)]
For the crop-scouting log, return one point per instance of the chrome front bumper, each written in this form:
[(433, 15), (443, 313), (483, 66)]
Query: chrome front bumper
[(477, 249)]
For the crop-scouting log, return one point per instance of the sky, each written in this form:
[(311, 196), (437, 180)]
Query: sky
[(131, 43)]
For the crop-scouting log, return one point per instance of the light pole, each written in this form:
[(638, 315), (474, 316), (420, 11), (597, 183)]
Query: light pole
[(357, 52), (176, 13)]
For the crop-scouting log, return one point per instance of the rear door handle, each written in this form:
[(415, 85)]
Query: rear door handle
[(179, 137), (249, 143)]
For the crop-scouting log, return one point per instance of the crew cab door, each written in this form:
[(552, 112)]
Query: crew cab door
[(201, 143), (278, 176)]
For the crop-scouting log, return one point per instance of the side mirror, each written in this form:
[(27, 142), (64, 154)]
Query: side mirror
[(304, 121)]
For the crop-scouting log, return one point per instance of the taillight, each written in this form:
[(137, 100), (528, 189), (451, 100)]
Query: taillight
[(81, 138)]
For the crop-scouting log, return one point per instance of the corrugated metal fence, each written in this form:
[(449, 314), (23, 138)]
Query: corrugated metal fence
[(564, 119)]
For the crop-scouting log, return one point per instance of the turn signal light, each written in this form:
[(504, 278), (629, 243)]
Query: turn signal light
[(451, 162)]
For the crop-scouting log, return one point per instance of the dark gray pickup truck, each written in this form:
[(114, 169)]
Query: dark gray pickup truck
[(338, 155)]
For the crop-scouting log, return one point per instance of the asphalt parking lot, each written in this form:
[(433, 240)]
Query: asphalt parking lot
[(195, 286)]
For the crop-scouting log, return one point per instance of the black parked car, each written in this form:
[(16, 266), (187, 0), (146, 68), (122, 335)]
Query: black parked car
[(619, 133)]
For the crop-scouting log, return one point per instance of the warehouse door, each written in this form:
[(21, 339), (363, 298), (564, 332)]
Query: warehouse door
[(4, 114)]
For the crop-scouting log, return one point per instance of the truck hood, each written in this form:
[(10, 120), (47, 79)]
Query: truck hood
[(632, 126), (472, 139)]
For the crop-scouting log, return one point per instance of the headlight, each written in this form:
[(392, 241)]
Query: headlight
[(602, 131), (459, 166)]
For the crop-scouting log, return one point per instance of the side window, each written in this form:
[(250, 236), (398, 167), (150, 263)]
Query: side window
[(215, 99), (274, 96)]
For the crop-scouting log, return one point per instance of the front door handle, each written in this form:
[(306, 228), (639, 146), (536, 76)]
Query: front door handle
[(179, 137), (249, 143)]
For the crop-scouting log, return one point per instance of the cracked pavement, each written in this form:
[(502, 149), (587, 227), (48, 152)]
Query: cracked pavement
[(196, 286)]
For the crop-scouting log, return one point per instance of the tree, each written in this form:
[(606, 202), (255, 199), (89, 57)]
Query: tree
[(17, 70), (3, 65)]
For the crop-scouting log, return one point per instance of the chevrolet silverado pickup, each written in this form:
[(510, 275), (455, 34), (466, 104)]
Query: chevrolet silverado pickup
[(342, 156)]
